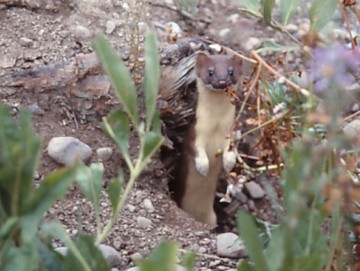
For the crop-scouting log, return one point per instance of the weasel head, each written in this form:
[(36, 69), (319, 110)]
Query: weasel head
[(217, 72)]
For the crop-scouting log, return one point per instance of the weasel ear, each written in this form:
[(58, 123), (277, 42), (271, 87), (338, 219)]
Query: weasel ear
[(201, 59), (237, 61)]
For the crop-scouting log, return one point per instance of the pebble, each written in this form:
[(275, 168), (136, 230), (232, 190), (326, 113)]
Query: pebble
[(254, 190), (131, 208), (251, 205), (252, 43), (136, 256), (303, 80), (352, 129), (143, 222), (110, 27), (178, 268), (202, 250), (233, 18), (240, 196), (228, 244), (148, 205), (82, 33), (67, 150), (26, 42), (35, 109), (292, 28), (223, 33), (104, 154), (111, 255)]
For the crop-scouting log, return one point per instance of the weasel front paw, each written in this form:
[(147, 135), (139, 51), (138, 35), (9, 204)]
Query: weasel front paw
[(229, 160), (202, 164)]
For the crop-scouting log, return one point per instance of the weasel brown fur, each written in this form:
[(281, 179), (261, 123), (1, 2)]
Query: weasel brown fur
[(214, 119)]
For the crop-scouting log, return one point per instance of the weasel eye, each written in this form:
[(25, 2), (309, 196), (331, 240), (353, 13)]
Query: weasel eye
[(231, 72), (211, 72)]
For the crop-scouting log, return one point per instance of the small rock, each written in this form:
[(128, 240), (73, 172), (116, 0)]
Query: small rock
[(111, 255), (82, 33), (26, 42), (233, 18), (67, 150), (223, 33), (229, 245), (254, 190), (355, 108), (148, 205), (303, 80), (241, 197), (110, 27), (131, 208), (252, 43), (292, 28), (202, 250), (143, 222), (251, 205), (35, 109), (62, 250), (143, 27), (178, 268), (104, 154), (136, 256), (215, 47), (352, 129)]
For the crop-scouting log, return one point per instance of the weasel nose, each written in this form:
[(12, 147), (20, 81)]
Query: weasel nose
[(222, 83)]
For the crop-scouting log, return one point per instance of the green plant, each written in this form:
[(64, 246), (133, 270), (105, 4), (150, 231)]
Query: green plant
[(24, 236), (22, 245), (117, 125)]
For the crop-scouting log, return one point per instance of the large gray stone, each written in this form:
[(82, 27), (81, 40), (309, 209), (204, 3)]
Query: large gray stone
[(67, 150), (229, 245)]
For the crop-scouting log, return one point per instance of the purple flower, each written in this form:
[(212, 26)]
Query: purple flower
[(334, 65)]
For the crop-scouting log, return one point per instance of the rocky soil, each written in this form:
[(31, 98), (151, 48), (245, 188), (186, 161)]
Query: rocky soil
[(39, 33)]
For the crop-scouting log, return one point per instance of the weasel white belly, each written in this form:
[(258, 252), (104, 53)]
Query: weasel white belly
[(214, 122)]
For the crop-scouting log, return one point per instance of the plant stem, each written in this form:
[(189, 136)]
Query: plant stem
[(134, 173), (70, 244)]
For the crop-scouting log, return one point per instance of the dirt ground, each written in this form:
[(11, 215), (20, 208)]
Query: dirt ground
[(44, 32)]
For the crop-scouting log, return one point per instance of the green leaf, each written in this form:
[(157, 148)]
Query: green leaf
[(90, 253), (189, 261), (8, 226), (252, 6), (157, 123), (81, 255), (51, 260), (287, 8), (269, 45), (114, 190), (162, 259), (19, 156), (38, 202), (90, 181), (22, 258), (251, 240), (116, 126), (275, 252), (151, 143), (321, 12), (268, 8), (245, 266), (152, 77), (119, 76)]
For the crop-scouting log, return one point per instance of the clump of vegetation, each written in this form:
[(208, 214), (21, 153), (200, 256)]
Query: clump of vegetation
[(319, 177)]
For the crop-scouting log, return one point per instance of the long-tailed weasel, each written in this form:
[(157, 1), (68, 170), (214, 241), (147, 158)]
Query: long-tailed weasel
[(201, 165)]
